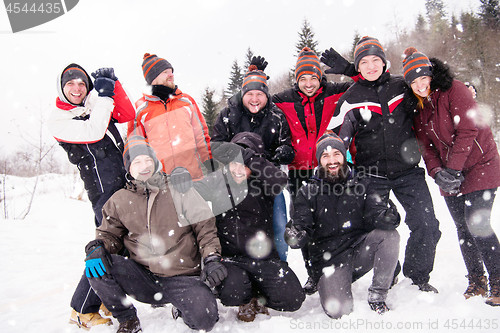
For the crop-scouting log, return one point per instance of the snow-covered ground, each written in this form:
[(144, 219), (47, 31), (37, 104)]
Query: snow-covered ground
[(41, 260)]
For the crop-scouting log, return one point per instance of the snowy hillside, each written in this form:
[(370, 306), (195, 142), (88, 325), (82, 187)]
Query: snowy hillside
[(41, 260)]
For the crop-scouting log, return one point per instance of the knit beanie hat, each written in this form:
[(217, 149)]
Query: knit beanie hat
[(254, 80), (415, 64), (74, 71), (368, 46), (327, 141), (137, 145), (152, 66), (308, 63)]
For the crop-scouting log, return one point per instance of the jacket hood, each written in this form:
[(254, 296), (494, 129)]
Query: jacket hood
[(249, 140), (60, 92), (442, 75)]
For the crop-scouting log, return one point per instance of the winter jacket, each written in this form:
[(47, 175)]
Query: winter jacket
[(244, 212), (90, 138), (452, 133), (270, 123), (308, 118), (377, 124), (337, 217), (175, 129), (166, 231)]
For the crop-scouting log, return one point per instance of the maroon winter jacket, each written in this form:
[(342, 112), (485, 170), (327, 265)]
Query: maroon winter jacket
[(452, 133)]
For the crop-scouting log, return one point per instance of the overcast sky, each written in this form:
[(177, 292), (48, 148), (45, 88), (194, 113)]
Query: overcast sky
[(200, 38)]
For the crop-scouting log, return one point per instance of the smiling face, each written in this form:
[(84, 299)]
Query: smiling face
[(308, 84), (75, 91), (371, 67), (333, 161), (165, 78), (254, 100), (421, 86), (142, 167), (239, 172)]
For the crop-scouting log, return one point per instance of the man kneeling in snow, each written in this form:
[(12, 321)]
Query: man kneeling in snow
[(167, 233), (242, 198), (348, 229)]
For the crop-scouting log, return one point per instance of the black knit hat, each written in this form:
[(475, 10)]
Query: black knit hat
[(329, 140), (254, 80), (135, 146), (368, 46), (74, 71), (308, 63), (415, 64), (152, 66)]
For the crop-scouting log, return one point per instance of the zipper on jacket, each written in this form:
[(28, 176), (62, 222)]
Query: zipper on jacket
[(444, 143), (95, 168), (479, 146)]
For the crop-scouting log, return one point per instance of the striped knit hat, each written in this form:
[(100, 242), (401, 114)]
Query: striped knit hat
[(152, 66), (368, 46), (74, 71), (254, 80), (415, 64), (308, 63), (135, 146), (329, 140)]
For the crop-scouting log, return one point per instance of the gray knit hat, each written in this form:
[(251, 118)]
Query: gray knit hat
[(327, 141), (137, 145)]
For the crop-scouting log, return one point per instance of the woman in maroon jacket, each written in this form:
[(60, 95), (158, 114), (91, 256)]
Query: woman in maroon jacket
[(461, 155)]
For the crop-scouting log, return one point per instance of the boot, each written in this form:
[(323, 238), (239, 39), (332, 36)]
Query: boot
[(88, 320), (246, 312), (130, 326), (259, 307), (379, 307), (478, 286), (494, 298), (427, 287), (105, 311), (310, 287)]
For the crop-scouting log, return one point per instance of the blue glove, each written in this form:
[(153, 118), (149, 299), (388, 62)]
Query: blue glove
[(98, 260), (104, 86), (108, 72)]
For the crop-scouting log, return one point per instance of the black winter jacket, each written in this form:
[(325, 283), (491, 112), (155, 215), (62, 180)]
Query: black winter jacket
[(244, 212), (378, 126), (270, 123), (337, 217)]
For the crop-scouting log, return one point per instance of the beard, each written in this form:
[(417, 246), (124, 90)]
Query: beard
[(339, 177)]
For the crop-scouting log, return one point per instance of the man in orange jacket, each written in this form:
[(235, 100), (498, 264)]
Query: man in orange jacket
[(171, 121)]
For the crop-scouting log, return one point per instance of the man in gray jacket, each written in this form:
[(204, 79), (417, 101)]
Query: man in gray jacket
[(168, 234)]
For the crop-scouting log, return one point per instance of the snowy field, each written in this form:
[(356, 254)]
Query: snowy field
[(41, 260)]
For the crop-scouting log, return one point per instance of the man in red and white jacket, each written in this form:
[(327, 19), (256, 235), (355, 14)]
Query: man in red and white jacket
[(83, 123)]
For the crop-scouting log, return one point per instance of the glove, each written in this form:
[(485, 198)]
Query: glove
[(226, 152), (108, 72), (294, 237), (104, 86), (391, 216), (284, 154), (260, 62), (181, 180), (98, 260), (337, 63), (449, 180), (213, 272)]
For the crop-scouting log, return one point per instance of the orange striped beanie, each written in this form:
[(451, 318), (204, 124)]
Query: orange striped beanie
[(308, 63), (254, 80), (415, 64), (368, 46), (152, 66)]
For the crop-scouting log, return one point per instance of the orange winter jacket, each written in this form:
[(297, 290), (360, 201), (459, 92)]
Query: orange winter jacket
[(175, 129)]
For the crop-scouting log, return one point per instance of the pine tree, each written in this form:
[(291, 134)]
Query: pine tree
[(421, 25), (248, 60), (355, 41), (489, 12), (235, 80), (306, 38), (436, 16), (210, 107)]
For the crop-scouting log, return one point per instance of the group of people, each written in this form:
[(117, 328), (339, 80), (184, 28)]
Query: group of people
[(185, 219)]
